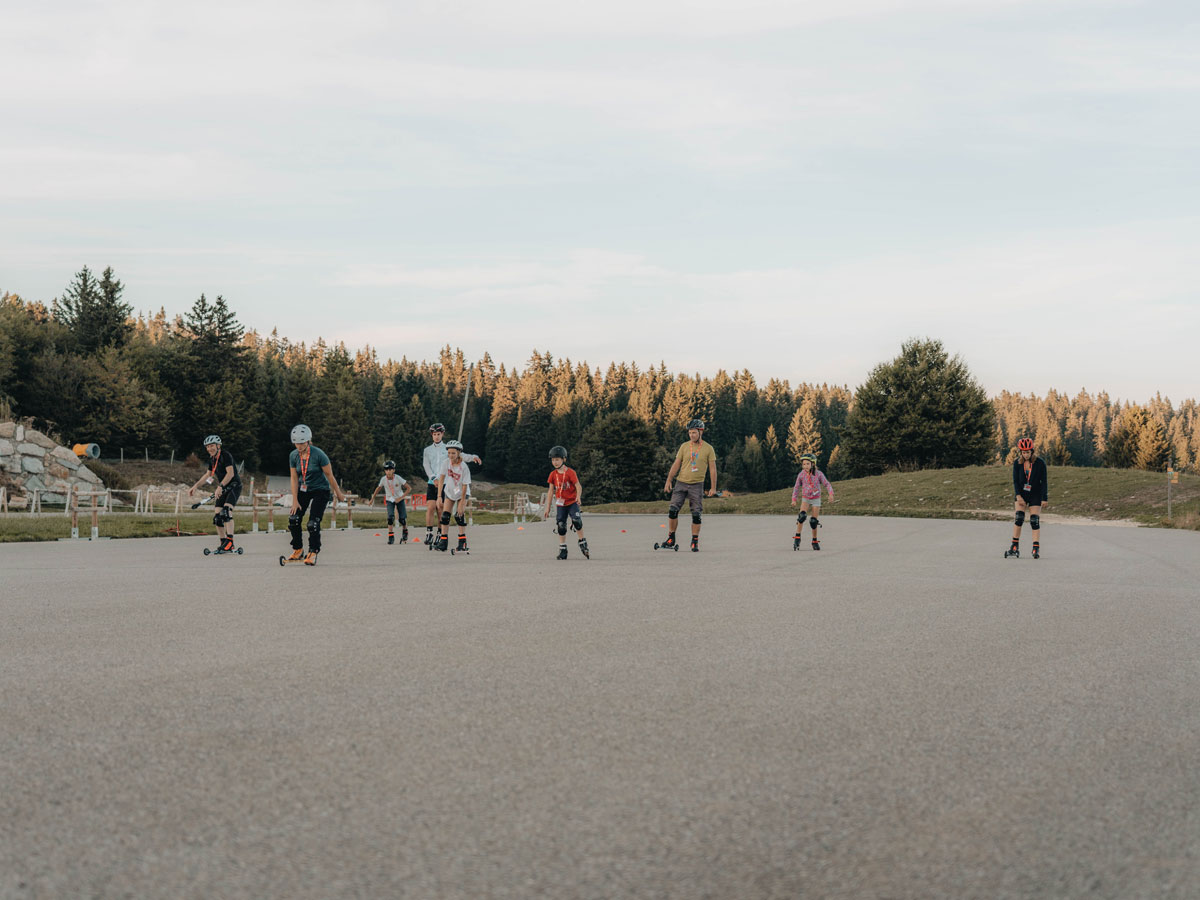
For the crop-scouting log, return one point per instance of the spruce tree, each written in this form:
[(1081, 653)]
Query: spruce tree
[(620, 448)]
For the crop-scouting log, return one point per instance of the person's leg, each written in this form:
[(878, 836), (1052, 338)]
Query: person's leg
[(814, 520), (1035, 529), (317, 512), (696, 505), (391, 519), (1020, 506), (577, 523), (460, 519), (402, 515), (677, 497), (560, 524), (303, 499), (431, 511)]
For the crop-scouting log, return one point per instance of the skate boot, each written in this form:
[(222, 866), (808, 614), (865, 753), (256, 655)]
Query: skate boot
[(1014, 551), (562, 551), (796, 539), (695, 544), (404, 536), (311, 559), (226, 545), (462, 543), (669, 543), (296, 556), (1037, 550), (816, 545), (391, 537), (428, 537), (442, 543), (583, 548)]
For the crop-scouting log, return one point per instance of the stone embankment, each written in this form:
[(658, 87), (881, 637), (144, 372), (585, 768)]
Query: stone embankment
[(31, 462)]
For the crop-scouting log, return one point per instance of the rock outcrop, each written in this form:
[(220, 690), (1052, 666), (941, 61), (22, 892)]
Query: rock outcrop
[(33, 462)]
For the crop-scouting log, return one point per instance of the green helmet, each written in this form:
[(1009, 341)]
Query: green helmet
[(811, 457)]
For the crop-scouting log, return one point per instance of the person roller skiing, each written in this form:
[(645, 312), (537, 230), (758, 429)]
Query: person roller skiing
[(395, 490), (808, 492), (431, 461), (312, 483), (564, 493), (223, 471), (695, 457), (1032, 491), (453, 483)]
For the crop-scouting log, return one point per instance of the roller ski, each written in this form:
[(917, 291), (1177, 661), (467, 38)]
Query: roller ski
[(562, 552), (461, 548), (226, 546), (297, 556), (1014, 552), (668, 544)]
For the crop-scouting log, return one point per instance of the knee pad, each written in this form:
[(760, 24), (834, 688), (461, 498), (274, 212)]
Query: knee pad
[(1035, 521), (460, 520), (814, 523), (294, 521), (218, 519), (577, 523), (562, 527), (1020, 519), (314, 526), (695, 518), (800, 518), (673, 512), (446, 518), (391, 518), (403, 521)]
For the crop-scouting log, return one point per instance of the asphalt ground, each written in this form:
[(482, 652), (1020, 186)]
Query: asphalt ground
[(904, 714)]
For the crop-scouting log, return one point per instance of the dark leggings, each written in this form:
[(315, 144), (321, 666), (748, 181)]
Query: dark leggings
[(316, 511)]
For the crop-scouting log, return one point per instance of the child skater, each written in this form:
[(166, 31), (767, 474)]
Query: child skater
[(564, 493), (453, 484), (312, 481), (808, 491), (224, 472), (1032, 492), (395, 490)]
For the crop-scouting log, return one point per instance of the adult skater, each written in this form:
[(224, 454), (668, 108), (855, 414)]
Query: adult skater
[(223, 471), (395, 490), (1032, 491), (431, 461), (564, 493), (312, 483), (694, 458), (808, 492)]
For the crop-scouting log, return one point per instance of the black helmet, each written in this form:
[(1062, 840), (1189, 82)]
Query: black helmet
[(437, 426), (390, 464), (696, 423), (558, 450)]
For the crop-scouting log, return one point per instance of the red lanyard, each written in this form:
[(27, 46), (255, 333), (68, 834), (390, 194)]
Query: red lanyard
[(304, 468), (1029, 472), (560, 479), (216, 462)]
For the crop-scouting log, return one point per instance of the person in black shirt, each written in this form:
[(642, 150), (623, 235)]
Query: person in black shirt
[(223, 472), (1030, 487)]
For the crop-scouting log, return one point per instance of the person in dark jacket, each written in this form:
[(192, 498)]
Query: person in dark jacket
[(1032, 492)]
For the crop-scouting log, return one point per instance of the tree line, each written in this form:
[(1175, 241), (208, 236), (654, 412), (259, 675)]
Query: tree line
[(87, 368)]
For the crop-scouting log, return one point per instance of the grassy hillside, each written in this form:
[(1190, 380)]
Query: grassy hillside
[(980, 492)]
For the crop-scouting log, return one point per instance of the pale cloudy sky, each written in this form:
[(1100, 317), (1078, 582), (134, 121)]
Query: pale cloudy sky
[(789, 187)]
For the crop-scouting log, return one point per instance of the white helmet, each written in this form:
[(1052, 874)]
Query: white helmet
[(454, 445), (212, 439), (301, 434)]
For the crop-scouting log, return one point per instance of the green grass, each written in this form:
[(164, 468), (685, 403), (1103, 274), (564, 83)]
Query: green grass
[(979, 492)]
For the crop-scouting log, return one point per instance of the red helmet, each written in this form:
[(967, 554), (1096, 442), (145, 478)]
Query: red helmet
[(1025, 444)]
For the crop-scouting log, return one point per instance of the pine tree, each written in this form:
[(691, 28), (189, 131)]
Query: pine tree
[(804, 435), (619, 454), (1151, 448)]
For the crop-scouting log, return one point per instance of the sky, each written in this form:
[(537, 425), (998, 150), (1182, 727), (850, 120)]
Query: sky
[(794, 188)]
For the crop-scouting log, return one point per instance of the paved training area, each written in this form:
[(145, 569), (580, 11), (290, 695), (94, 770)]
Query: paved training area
[(904, 714)]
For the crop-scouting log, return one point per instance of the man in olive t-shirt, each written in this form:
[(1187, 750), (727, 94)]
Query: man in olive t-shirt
[(691, 462)]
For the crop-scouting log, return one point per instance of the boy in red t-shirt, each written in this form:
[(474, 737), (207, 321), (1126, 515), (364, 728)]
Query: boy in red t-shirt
[(565, 492)]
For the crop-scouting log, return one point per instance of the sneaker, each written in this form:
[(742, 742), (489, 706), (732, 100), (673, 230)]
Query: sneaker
[(311, 559)]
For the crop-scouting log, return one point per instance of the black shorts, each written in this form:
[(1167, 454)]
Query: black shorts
[(394, 508), (431, 492), (230, 494), (1030, 499), (564, 512)]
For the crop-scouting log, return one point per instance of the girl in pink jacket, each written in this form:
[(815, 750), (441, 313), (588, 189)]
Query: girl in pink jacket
[(808, 492)]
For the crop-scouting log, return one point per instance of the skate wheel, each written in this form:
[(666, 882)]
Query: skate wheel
[(283, 560), (239, 551), (207, 551), (656, 546)]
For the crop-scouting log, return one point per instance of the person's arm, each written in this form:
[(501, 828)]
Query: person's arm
[(371, 502), (578, 492), (712, 474), (230, 472), (828, 486), (1017, 477), (199, 482), (427, 464), (337, 488), (405, 491), (1045, 482), (549, 502), (295, 491), (671, 475)]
